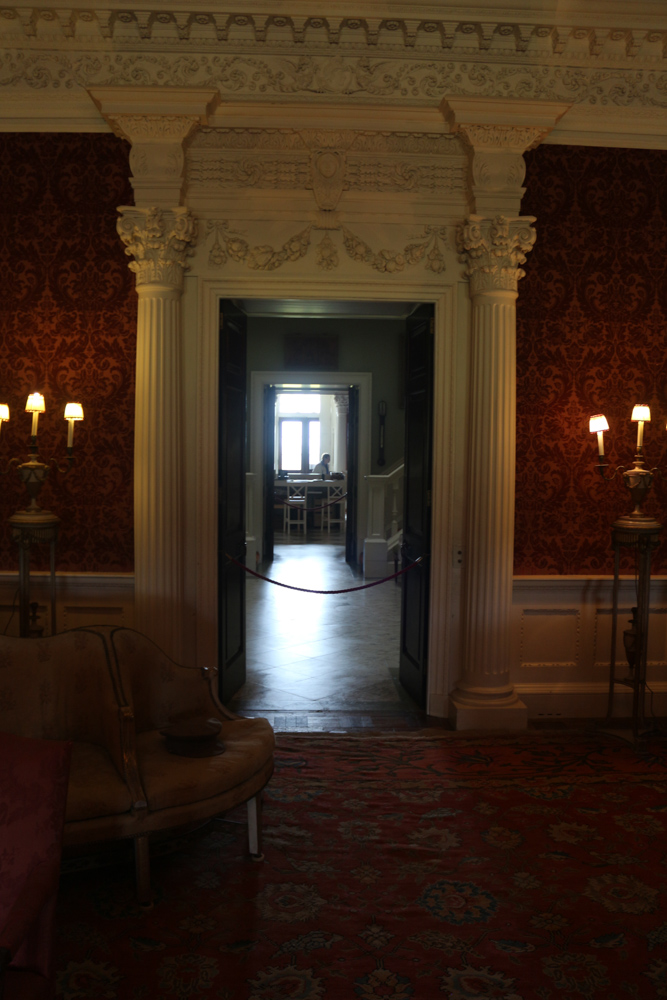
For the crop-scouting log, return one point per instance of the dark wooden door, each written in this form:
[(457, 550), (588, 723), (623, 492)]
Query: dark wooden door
[(231, 500), (269, 473), (352, 475), (417, 502)]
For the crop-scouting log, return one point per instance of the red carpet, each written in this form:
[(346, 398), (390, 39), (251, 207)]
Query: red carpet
[(528, 867)]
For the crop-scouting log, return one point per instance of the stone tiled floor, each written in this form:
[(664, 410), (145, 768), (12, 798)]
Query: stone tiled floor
[(325, 663)]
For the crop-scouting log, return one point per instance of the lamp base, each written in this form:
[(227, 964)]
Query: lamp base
[(34, 526), (628, 529)]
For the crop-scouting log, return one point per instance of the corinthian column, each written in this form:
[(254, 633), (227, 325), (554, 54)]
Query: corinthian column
[(494, 249), (159, 234), (493, 243), (159, 241)]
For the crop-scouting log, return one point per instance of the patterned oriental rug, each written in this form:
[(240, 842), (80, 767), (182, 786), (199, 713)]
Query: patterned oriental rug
[(514, 867)]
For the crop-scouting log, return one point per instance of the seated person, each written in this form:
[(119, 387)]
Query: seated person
[(322, 467)]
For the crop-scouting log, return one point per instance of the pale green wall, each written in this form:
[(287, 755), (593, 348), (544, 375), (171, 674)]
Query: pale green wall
[(365, 345)]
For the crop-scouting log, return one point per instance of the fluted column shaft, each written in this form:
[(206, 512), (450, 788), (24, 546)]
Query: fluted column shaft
[(490, 529), (484, 696), (158, 526), (159, 241)]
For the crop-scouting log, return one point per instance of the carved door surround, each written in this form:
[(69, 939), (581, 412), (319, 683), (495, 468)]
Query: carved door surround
[(314, 177)]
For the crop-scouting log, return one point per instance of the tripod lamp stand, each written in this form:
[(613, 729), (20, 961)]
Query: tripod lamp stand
[(640, 532)]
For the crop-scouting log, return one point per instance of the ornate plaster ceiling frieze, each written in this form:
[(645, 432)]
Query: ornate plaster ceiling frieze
[(228, 244), (50, 57), (186, 28), (409, 81)]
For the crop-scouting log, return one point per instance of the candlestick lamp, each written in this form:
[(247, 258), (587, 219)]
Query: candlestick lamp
[(32, 525), (33, 472), (637, 531)]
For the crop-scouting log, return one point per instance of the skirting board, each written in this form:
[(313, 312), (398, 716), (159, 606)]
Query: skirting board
[(581, 701)]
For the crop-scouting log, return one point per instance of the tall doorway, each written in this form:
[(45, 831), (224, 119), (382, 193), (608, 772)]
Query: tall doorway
[(310, 465), (336, 636)]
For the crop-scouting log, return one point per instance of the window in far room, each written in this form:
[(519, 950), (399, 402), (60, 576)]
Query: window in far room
[(299, 431)]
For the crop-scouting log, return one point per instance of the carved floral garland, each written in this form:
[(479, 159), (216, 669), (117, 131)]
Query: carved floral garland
[(229, 244)]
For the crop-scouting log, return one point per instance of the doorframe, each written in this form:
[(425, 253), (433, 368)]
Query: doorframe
[(258, 379), (451, 396)]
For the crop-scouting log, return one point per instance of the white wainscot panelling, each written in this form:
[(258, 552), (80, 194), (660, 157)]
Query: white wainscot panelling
[(551, 633), (81, 599), (561, 644)]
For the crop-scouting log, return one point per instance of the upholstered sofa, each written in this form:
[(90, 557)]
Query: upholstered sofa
[(111, 691), (33, 791)]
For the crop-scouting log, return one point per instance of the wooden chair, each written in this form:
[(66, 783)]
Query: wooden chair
[(295, 508), (335, 512)]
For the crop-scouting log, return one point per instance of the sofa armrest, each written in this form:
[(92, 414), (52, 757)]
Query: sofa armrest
[(130, 767), (210, 675)]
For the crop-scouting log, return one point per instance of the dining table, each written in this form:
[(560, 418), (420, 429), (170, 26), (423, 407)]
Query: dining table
[(317, 493)]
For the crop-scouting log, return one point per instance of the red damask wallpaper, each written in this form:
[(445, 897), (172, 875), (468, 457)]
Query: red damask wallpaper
[(68, 330), (591, 337)]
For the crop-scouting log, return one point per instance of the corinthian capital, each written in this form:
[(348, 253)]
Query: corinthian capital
[(160, 240), (494, 249)]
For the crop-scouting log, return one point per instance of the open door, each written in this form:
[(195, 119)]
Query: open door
[(231, 500), (269, 469), (352, 475), (417, 502)]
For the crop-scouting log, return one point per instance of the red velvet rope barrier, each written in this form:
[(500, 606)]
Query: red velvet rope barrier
[(304, 590)]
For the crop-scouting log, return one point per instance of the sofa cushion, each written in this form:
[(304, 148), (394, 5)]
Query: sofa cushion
[(95, 786), (170, 780)]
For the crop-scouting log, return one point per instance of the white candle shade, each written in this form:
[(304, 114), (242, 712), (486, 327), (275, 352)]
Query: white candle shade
[(4, 412), (74, 411), (641, 412), (35, 403), (598, 423)]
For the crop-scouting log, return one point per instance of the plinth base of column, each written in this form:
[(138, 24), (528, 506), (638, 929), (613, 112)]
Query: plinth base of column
[(487, 714), (375, 558)]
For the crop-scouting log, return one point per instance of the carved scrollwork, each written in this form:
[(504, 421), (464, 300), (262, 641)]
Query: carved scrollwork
[(405, 80), (327, 177), (160, 240), (493, 250), (229, 244), (326, 254)]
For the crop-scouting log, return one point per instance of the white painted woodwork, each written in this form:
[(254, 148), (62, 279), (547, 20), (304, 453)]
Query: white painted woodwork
[(484, 692), (158, 526)]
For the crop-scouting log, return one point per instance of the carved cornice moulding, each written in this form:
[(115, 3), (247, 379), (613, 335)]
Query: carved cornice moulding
[(623, 34), (293, 77)]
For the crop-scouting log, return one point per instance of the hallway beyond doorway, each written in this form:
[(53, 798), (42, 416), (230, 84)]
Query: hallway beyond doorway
[(323, 662)]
